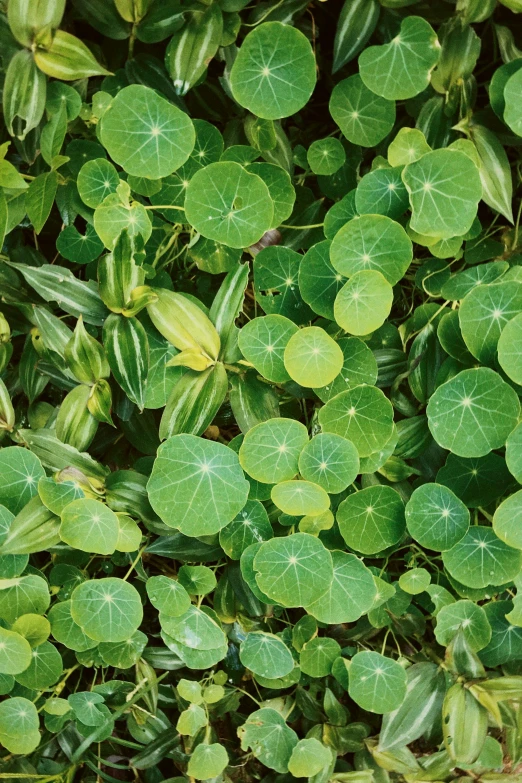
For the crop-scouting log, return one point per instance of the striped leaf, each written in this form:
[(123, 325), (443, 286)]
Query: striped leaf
[(226, 308), (127, 348), (464, 724), (495, 171), (68, 59), (27, 18), (194, 401), (357, 21), (40, 197), (75, 424), (191, 49), (34, 529), (24, 95), (58, 456)]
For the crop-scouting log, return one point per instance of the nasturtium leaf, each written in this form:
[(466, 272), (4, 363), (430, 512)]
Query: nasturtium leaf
[(326, 156), (319, 282), (90, 526), (85, 706), (514, 453), (45, 668), (197, 580), (382, 192), (312, 358), (193, 658), (193, 629), (262, 342), (372, 242), (267, 735), (97, 179), (372, 520), (476, 481), (250, 526), (363, 303), (512, 94), (270, 450), (469, 617), (506, 639), (112, 217), (207, 761), (360, 367), (408, 146), (248, 572), (364, 117), (145, 134), (376, 683), (460, 284), (125, 654), (280, 187), (350, 595), (191, 720), (196, 485), (15, 652), (274, 73), (227, 203), (298, 498), (167, 595), (330, 461), (341, 212), (317, 656), (33, 627), (435, 517), (108, 610), (481, 559), (20, 471), (23, 595), (79, 248), (316, 523), (266, 655), (401, 69), (363, 415), (414, 581), (510, 349), (19, 725), (444, 188), (276, 272), (473, 412), (295, 570), (484, 313), (190, 691), (66, 631), (129, 534), (308, 758), (507, 520)]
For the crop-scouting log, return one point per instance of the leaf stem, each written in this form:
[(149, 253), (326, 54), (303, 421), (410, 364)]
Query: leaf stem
[(301, 228)]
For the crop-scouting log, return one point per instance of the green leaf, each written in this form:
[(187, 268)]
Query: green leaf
[(495, 172), (376, 683), (507, 520), (382, 192), (312, 358), (481, 558), (194, 629), (167, 595), (19, 725), (127, 346), (317, 656), (90, 526), (270, 450), (15, 652), (401, 69), (192, 48), (350, 595), (372, 520), (298, 498), (473, 413), (444, 188), (280, 187), (227, 203), (209, 485), (326, 156), (107, 609), (414, 581), (484, 313), (512, 93), (112, 217), (355, 25), (308, 758), (79, 248), (436, 518), (45, 668), (251, 525), (20, 471), (408, 146), (197, 580), (40, 197), (514, 453), (66, 631), (67, 58), (509, 353), (330, 461), (266, 655), (267, 735), (363, 415), (284, 567), (467, 616), (319, 282), (145, 134), (364, 117), (97, 179), (262, 342), (364, 302), (274, 72), (360, 367), (372, 242), (276, 273), (207, 761)]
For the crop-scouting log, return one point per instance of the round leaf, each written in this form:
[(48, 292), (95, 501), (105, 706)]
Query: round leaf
[(250, 526), (363, 415), (350, 595), (15, 652), (312, 358), (326, 156), (359, 367), (469, 617), (364, 117), (97, 179), (207, 761), (270, 450), (507, 520), (510, 349), (484, 314), (90, 526), (330, 461), (319, 282), (308, 758), (266, 655), (363, 303), (435, 517), (376, 683), (298, 498), (481, 559), (20, 471), (108, 610), (262, 342), (167, 595), (372, 520)]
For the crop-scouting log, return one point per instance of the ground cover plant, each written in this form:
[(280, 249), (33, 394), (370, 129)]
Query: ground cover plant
[(260, 377)]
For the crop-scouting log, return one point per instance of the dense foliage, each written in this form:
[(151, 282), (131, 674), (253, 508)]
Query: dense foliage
[(260, 379)]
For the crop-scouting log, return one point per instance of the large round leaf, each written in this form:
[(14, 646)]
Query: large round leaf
[(225, 202), (510, 349), (350, 595), (473, 412), (20, 471), (196, 485), (273, 74), (15, 652), (372, 520), (363, 415), (312, 358), (481, 559), (364, 117), (330, 461), (444, 188), (108, 610), (262, 342), (401, 69), (19, 725), (372, 242), (265, 654), (270, 450), (364, 302), (295, 570), (376, 683), (145, 134), (90, 526), (484, 314), (507, 520), (469, 617), (435, 517)]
